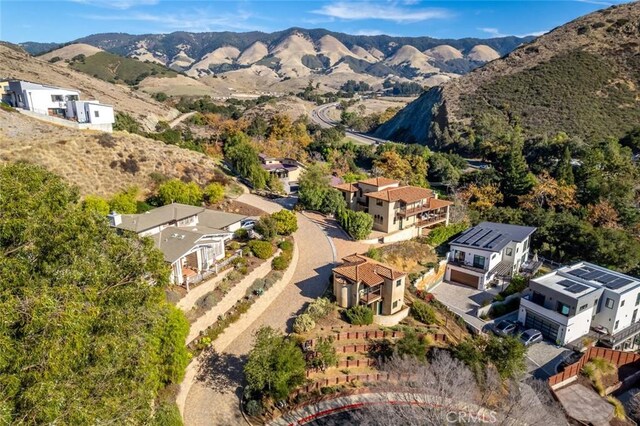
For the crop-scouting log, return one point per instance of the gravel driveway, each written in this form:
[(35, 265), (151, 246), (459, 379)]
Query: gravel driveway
[(214, 400)]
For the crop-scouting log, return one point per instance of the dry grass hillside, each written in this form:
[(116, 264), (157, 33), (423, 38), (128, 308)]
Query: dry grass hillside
[(98, 163), (71, 50), (14, 64)]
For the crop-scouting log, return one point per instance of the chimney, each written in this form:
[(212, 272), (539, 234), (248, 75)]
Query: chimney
[(115, 219)]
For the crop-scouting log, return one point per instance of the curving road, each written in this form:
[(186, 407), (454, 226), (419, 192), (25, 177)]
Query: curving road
[(215, 401), (320, 115)]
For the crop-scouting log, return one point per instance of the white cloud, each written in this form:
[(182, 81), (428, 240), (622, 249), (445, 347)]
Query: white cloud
[(493, 32), (364, 32), (596, 2), (118, 4), (386, 12), (192, 21), (535, 33)]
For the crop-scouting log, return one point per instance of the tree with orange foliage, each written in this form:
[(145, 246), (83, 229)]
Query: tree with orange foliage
[(603, 214), (549, 193), (481, 197)]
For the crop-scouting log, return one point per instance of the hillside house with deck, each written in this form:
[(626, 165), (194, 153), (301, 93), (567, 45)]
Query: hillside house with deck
[(286, 169), (58, 103), (192, 239), (583, 300), (360, 280), (405, 210), (487, 252)]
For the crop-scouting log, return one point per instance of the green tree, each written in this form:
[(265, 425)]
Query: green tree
[(275, 365), (507, 354), (325, 354), (93, 203), (214, 192), (516, 178), (267, 227), (86, 336), (286, 222), (564, 173), (176, 191), (423, 312), (357, 224), (125, 122), (333, 202), (313, 185), (359, 315), (411, 344), (125, 202), (275, 184)]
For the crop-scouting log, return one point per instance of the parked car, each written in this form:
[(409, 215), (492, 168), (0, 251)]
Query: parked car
[(531, 336), (248, 224), (505, 327)]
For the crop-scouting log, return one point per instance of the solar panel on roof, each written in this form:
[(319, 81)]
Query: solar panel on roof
[(576, 288), (618, 283), (593, 275), (566, 283), (579, 272), (471, 236), (606, 278), (480, 241)]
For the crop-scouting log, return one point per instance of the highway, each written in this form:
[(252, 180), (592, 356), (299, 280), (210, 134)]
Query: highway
[(320, 115)]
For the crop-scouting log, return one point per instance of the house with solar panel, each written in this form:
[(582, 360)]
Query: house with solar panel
[(487, 252), (584, 300)]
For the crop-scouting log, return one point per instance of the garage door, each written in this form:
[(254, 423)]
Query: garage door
[(464, 278), (549, 329)]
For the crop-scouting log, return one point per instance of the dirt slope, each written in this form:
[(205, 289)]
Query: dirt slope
[(71, 50), (98, 163)]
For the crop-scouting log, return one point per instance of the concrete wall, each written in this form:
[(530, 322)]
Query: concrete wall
[(68, 123)]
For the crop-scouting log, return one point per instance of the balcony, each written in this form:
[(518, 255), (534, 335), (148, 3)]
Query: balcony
[(405, 212), (373, 295), (431, 219), (622, 335), (470, 266), (554, 316)]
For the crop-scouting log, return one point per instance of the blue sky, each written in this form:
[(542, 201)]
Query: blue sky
[(66, 20)]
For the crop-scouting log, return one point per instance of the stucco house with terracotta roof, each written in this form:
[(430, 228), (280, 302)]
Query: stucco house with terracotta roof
[(360, 280), (395, 207)]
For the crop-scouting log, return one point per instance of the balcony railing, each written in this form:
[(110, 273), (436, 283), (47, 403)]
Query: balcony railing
[(621, 335), (371, 296), (466, 265), (554, 316), (431, 219), (405, 212)]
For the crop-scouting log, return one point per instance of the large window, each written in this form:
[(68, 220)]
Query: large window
[(563, 309), (478, 261), (609, 303), (378, 202), (57, 98), (509, 251)]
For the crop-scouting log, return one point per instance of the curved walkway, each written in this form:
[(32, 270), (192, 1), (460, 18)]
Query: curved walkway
[(214, 398)]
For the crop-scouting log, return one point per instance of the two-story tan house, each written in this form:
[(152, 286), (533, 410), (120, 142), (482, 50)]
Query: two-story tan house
[(364, 281), (394, 207)]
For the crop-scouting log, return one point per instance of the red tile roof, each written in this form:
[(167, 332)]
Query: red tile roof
[(360, 268), (379, 181), (408, 194), (349, 187)]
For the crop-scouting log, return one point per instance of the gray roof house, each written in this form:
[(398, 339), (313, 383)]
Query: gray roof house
[(192, 239), (487, 252)]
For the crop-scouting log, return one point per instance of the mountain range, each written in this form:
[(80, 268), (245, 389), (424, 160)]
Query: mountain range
[(582, 78), (300, 53)]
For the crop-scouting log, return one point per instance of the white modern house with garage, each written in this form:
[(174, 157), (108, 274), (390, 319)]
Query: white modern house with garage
[(487, 252), (59, 105), (582, 300), (192, 239)]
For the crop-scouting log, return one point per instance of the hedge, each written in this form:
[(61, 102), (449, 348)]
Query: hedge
[(442, 234), (261, 249)]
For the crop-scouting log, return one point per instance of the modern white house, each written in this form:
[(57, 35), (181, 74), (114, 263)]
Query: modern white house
[(584, 300), (59, 104), (487, 252), (192, 239)]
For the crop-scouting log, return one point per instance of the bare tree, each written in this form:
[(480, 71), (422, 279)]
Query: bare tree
[(445, 391)]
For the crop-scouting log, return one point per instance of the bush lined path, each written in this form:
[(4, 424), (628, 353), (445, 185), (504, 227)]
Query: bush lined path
[(190, 299), (214, 398)]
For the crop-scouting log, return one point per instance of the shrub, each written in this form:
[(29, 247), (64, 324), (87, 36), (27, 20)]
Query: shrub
[(286, 245), (320, 308), (356, 224), (254, 408), (95, 204), (207, 301), (303, 323), (359, 315), (160, 96), (286, 222), (261, 249), (241, 234), (214, 192), (267, 227), (423, 312), (168, 414), (374, 253), (176, 191), (280, 263), (125, 202), (55, 59), (442, 234), (618, 408), (6, 107)]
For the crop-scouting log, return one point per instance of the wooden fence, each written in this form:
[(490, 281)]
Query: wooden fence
[(347, 378), (371, 335), (618, 358)]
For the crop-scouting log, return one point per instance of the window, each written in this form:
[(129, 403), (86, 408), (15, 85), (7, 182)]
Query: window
[(378, 202), (609, 303), (395, 304), (96, 114), (398, 283), (615, 326), (622, 303), (583, 307), (509, 251), (57, 98), (478, 261), (563, 309), (638, 299), (72, 97)]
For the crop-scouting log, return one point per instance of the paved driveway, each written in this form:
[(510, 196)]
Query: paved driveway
[(214, 400), (543, 358)]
